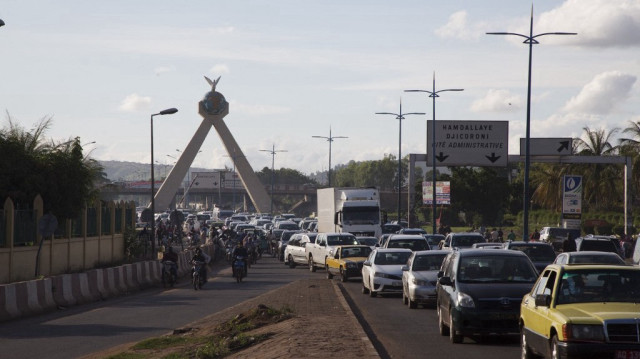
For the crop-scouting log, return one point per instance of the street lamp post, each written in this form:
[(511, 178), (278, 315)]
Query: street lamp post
[(530, 40), (168, 111), (233, 158), (329, 139), (273, 152), (433, 94), (400, 117)]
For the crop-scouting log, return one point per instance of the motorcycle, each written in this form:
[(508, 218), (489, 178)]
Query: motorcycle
[(239, 268), (169, 275), (198, 278)]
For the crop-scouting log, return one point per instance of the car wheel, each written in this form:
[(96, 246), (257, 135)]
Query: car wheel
[(412, 304), (329, 275), (292, 264), (343, 275), (312, 268), (442, 328), (553, 350), (526, 351), (365, 290), (453, 336)]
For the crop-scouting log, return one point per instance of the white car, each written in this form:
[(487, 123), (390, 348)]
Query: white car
[(419, 277), (295, 252), (382, 271)]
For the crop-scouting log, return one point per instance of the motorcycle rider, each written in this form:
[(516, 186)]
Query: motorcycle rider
[(240, 251), (170, 255), (201, 257)]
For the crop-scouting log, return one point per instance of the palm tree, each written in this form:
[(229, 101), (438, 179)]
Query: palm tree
[(546, 179), (630, 146), (601, 181)]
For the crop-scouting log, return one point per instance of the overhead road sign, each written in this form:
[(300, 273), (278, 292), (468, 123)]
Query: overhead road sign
[(547, 146), (470, 143)]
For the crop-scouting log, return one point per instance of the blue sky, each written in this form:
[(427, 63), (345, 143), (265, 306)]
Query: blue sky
[(293, 69)]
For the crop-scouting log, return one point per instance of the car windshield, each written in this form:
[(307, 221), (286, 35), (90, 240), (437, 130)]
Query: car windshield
[(599, 285), (466, 241), (413, 244), (605, 258), (499, 268), (391, 258), (367, 241), (341, 240), (434, 239), (537, 252), (356, 252), (428, 262), (598, 245), (361, 215)]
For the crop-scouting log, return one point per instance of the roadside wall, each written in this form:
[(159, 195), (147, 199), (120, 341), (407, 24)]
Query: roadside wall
[(94, 238)]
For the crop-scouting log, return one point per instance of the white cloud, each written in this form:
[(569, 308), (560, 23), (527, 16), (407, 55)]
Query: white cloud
[(602, 94), (497, 101), (218, 69), (599, 23), (458, 27), (135, 102)]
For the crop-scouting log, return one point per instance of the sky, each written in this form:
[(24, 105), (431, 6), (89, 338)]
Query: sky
[(293, 69)]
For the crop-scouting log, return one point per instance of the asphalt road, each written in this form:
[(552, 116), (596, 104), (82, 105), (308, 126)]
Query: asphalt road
[(94, 327), (396, 330), (400, 332)]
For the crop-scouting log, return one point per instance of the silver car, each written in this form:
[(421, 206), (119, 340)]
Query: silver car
[(419, 277)]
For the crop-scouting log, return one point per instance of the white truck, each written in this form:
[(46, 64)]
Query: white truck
[(352, 210)]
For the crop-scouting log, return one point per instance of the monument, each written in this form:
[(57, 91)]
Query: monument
[(213, 108)]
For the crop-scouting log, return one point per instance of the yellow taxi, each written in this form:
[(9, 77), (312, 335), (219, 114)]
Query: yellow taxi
[(346, 261), (582, 311)]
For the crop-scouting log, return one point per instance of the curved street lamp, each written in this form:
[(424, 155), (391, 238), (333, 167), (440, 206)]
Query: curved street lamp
[(1, 23), (530, 40), (400, 117), (433, 94), (329, 139), (273, 152), (169, 111)]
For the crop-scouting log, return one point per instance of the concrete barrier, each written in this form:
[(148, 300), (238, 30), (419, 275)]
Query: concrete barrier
[(38, 296), (130, 279)]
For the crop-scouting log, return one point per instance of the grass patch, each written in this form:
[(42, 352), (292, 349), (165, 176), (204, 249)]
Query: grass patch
[(225, 339)]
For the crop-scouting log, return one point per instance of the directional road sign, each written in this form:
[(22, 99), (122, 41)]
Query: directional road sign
[(547, 146), (469, 143)]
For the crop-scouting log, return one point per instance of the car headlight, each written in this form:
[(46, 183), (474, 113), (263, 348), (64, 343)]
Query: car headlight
[(419, 282), (351, 265), (382, 275), (465, 300), (583, 332)]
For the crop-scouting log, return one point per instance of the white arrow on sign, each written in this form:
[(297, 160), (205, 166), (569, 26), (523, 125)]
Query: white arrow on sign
[(469, 143)]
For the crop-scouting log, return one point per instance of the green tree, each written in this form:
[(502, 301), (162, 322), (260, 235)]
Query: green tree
[(59, 172), (601, 182)]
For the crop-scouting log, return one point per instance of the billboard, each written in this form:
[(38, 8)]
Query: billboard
[(443, 192), (215, 180)]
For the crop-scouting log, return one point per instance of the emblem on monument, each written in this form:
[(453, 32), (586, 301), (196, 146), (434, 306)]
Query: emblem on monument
[(214, 103)]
